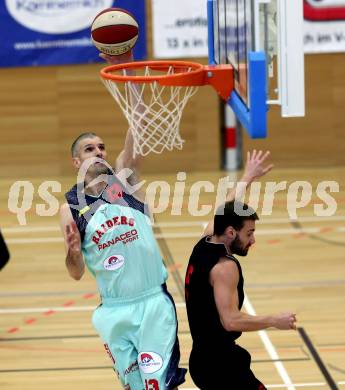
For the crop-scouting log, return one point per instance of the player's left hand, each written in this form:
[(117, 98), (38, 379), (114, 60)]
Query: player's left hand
[(255, 165), (121, 59)]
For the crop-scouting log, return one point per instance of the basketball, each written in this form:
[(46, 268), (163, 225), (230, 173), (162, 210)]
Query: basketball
[(114, 31)]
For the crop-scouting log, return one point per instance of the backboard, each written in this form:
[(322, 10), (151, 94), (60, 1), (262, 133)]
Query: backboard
[(263, 41)]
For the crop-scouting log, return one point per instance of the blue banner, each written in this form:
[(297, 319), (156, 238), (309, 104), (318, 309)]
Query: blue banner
[(57, 32)]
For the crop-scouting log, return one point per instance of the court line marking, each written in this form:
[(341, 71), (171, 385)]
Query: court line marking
[(263, 335), (281, 386), (249, 286), (270, 347), (33, 310), (170, 262), (317, 358), (59, 309), (266, 232), (33, 240), (26, 229)]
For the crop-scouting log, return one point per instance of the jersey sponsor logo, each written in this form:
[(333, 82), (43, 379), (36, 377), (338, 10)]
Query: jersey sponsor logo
[(125, 238), (111, 224), (150, 362), (113, 262)]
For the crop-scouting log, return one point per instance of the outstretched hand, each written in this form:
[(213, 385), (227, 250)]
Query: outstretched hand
[(255, 167), (114, 60)]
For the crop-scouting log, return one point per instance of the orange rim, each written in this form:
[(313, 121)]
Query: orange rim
[(220, 77), (196, 70)]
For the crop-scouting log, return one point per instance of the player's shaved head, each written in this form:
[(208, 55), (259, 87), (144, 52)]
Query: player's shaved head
[(76, 142)]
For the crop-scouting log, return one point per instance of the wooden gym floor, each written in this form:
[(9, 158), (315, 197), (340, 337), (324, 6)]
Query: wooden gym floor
[(46, 336)]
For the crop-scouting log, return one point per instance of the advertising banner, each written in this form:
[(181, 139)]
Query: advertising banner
[(180, 27), (324, 26), (55, 32)]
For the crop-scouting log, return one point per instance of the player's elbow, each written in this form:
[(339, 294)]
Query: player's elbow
[(78, 276), (76, 273), (230, 324)]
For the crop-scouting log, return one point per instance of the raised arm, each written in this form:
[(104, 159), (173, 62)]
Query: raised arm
[(74, 257), (224, 279), (254, 169), (126, 158)]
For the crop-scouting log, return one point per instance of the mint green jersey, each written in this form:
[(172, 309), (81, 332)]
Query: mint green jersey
[(121, 251), (118, 245), (137, 319)]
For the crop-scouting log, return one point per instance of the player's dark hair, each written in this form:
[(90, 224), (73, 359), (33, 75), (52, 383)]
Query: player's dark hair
[(74, 147), (233, 214)]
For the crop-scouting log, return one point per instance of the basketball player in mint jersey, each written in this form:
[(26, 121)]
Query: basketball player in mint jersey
[(106, 227), (214, 296)]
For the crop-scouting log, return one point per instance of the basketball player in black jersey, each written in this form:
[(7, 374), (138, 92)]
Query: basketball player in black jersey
[(4, 253), (214, 296)]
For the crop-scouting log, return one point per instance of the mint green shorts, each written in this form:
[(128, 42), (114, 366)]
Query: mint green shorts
[(140, 336)]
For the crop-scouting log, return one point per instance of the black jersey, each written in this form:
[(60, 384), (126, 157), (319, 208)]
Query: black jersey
[(204, 322), (4, 253)]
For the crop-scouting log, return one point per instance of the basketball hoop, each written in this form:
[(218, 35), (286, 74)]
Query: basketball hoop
[(153, 94)]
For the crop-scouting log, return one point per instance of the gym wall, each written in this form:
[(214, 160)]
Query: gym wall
[(43, 109)]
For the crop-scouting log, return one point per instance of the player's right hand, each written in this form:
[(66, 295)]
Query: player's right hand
[(114, 60), (255, 165), (285, 321), (73, 238)]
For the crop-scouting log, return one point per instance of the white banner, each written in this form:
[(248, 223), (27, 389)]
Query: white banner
[(322, 37), (179, 28), (324, 26)]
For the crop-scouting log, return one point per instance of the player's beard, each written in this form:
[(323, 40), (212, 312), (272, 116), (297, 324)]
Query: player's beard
[(100, 168), (238, 248)]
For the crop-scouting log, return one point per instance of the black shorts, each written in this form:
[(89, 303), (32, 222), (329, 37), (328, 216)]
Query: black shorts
[(223, 369)]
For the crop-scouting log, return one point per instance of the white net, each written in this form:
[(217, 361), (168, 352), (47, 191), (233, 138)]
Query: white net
[(153, 112)]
